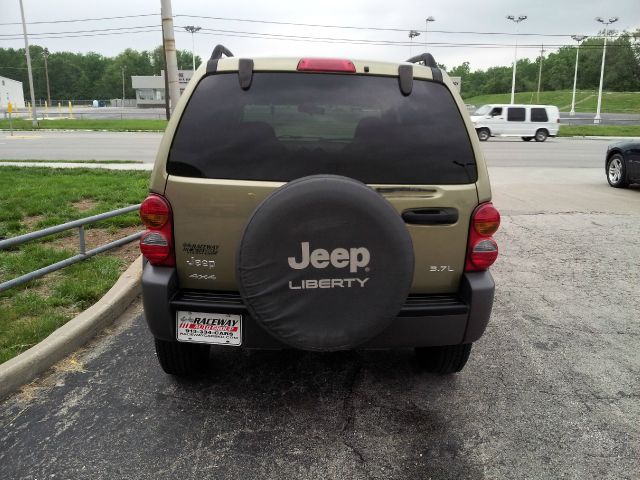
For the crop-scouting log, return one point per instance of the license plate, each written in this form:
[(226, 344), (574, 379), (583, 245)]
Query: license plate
[(212, 328)]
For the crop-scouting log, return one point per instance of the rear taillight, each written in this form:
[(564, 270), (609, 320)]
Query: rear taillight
[(156, 244), (482, 250), (326, 65)]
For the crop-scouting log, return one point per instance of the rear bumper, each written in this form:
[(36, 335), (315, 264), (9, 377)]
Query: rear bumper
[(424, 320)]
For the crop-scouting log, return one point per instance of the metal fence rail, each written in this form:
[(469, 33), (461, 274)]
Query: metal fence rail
[(83, 252)]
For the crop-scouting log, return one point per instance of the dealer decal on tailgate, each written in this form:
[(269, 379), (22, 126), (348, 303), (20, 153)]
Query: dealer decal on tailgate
[(212, 328)]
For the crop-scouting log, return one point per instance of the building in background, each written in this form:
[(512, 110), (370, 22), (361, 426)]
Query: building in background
[(11, 91), (150, 89)]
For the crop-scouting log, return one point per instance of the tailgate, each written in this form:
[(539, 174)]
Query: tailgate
[(210, 215)]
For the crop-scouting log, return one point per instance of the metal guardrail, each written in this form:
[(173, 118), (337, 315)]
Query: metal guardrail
[(84, 253)]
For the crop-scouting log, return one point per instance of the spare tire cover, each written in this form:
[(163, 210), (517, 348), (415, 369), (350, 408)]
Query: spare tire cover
[(325, 263)]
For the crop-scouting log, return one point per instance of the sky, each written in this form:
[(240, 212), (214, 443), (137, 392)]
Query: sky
[(546, 19)]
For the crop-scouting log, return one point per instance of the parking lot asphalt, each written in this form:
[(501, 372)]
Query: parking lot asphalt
[(551, 391)]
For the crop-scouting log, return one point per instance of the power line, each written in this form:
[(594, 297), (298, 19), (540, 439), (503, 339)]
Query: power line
[(297, 24), (81, 31), (83, 19), (355, 41), (157, 29), (382, 29)]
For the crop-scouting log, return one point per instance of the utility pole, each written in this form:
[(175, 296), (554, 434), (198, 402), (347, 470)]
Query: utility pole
[(34, 116), (170, 53), (542, 50), (45, 54), (596, 119), (577, 38), (167, 106), (191, 29), (517, 20)]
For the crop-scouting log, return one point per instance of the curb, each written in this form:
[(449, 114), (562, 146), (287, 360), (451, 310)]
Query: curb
[(72, 335)]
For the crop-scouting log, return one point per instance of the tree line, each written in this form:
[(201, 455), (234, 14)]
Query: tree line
[(622, 69), (88, 76), (84, 76)]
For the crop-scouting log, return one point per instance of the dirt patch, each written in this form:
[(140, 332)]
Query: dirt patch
[(99, 236), (84, 205), (31, 222)]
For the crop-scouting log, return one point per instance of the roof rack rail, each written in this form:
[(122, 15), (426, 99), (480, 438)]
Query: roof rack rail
[(427, 58), (218, 51)]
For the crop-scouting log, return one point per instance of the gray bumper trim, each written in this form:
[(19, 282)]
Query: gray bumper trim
[(446, 327)]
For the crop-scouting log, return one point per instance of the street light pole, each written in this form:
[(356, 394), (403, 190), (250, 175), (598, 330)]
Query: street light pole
[(577, 38), (517, 20), (45, 54), (412, 34), (426, 28), (123, 68), (192, 29), (542, 50), (34, 116), (596, 119)]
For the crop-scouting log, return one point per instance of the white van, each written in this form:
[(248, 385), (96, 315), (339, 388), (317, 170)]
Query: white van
[(512, 120)]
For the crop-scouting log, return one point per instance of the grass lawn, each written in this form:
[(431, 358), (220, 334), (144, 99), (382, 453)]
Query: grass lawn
[(600, 130), (34, 198), (89, 124), (586, 100)]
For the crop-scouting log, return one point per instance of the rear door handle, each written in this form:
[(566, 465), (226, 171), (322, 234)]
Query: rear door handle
[(430, 216)]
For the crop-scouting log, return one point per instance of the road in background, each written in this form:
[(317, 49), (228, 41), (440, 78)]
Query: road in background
[(79, 145), (550, 391), (123, 113), (142, 146)]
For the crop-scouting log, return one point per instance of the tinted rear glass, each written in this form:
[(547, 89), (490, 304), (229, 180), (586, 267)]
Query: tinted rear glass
[(539, 115), (516, 114), (290, 125)]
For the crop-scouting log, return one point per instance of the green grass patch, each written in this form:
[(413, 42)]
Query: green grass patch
[(599, 130), (44, 197), (34, 198), (116, 125), (586, 100), (106, 162)]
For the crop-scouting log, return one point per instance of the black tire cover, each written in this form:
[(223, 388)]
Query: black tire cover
[(334, 297)]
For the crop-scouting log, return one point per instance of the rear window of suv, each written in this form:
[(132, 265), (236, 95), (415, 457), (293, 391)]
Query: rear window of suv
[(290, 125)]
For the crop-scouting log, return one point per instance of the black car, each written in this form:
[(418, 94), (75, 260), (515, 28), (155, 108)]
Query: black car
[(622, 165)]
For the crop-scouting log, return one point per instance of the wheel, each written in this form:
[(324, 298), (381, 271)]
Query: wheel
[(616, 173), (541, 135), (182, 359), (445, 359), (527, 139), (484, 134)]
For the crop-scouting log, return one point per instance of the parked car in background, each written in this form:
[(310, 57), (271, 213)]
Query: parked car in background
[(526, 121), (622, 164)]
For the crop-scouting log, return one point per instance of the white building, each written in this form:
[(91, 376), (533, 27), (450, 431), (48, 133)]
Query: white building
[(150, 89), (11, 91)]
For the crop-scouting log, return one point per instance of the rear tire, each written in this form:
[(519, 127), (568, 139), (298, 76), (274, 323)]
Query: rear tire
[(445, 359), (541, 135), (182, 359), (527, 139), (484, 134)]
